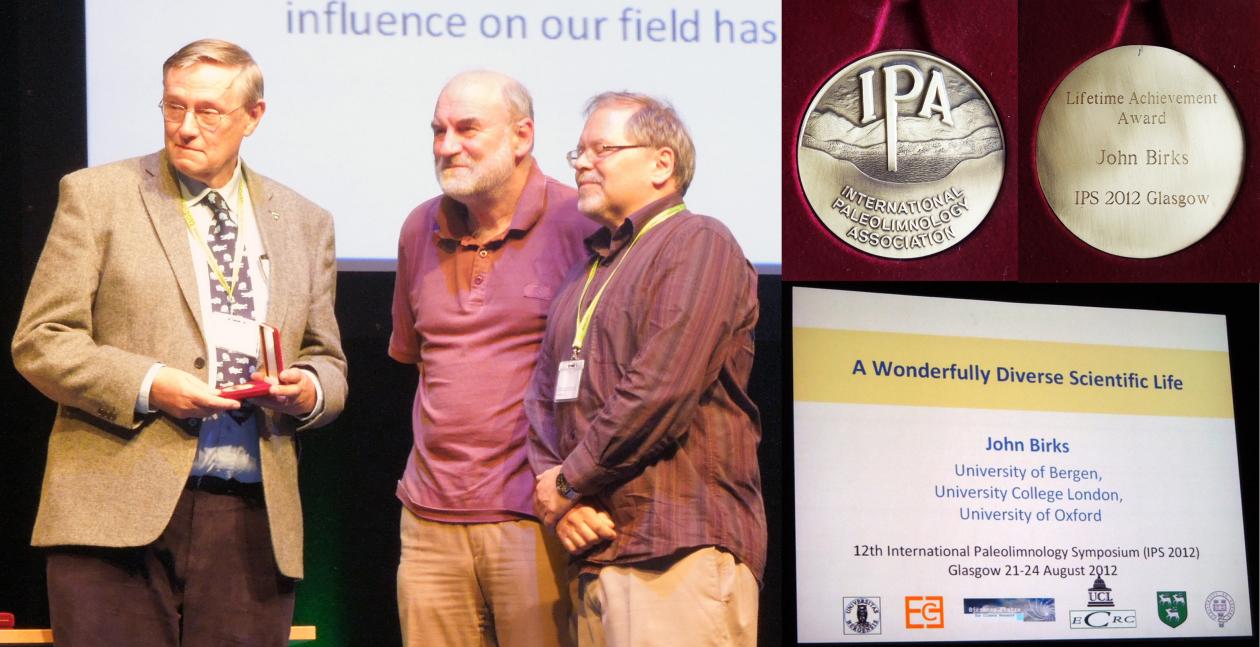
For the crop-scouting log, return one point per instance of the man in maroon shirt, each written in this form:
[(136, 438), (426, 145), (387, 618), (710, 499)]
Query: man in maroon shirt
[(643, 435), (477, 269)]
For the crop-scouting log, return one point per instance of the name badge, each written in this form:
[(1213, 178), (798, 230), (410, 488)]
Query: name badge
[(237, 334), (567, 380)]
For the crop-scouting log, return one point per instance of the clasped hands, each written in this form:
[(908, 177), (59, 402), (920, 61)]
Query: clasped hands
[(184, 395), (578, 524)]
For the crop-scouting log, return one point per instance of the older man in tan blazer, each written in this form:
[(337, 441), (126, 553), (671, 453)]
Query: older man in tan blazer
[(172, 512)]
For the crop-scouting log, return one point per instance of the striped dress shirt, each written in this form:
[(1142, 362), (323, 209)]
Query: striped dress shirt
[(663, 434)]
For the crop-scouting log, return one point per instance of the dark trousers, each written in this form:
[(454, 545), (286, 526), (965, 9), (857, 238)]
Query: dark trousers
[(210, 579)]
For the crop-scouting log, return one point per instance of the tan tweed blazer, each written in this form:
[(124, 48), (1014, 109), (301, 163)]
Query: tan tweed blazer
[(115, 291)]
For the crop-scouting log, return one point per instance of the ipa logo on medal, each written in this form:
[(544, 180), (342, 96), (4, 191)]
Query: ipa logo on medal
[(925, 612), (1219, 607), (862, 615), (1171, 606), (900, 154)]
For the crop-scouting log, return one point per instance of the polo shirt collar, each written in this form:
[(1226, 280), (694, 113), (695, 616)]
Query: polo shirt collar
[(452, 215)]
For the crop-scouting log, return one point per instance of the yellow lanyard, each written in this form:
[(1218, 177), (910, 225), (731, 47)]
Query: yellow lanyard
[(584, 316), (229, 288)]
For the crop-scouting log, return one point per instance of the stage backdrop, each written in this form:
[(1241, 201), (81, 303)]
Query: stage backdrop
[(351, 84)]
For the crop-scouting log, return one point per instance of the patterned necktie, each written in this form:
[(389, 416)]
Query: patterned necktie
[(233, 367)]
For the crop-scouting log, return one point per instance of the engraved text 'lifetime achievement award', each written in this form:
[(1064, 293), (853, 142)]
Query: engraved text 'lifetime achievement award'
[(1139, 151)]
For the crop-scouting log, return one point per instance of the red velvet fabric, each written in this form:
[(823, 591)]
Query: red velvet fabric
[(1057, 35), (820, 38), (1021, 238)]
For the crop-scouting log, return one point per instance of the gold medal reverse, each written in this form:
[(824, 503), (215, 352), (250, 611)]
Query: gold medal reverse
[(901, 154), (1140, 151)]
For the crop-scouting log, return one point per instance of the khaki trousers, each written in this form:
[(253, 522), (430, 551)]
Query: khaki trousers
[(705, 598), (481, 585)]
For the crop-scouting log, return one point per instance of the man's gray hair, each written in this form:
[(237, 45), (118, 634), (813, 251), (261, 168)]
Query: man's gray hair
[(519, 103), (655, 123), (220, 52), (517, 99)]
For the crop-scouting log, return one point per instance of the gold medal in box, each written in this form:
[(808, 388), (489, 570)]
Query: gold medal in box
[(1139, 151), (901, 154)]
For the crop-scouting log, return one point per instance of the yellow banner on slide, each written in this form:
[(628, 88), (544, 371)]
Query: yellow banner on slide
[(973, 372)]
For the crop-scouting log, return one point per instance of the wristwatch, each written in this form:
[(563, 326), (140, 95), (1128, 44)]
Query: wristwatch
[(565, 490)]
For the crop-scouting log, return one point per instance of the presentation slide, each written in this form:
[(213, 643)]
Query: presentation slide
[(978, 470), (351, 85)]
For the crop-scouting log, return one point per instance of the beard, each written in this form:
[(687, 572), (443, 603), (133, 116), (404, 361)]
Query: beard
[(591, 198), (461, 178)]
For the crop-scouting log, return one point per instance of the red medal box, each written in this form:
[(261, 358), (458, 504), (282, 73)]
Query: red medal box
[(272, 364)]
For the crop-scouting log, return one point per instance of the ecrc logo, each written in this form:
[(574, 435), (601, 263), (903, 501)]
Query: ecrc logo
[(925, 612), (1103, 619)]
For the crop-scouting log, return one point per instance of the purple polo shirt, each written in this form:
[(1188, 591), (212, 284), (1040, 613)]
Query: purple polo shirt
[(471, 318)]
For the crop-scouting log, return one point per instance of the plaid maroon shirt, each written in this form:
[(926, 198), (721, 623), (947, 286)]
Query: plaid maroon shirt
[(663, 434)]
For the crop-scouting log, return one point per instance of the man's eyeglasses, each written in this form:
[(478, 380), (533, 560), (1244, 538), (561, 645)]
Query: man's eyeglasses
[(597, 152), (208, 118)]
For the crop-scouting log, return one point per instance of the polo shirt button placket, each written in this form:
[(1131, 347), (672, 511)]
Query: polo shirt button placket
[(479, 267)]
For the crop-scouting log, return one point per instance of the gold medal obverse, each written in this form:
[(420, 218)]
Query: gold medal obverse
[(901, 154)]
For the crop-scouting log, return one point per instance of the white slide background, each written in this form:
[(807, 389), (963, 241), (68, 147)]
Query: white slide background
[(347, 121)]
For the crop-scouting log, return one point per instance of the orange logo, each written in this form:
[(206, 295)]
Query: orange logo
[(925, 612)]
